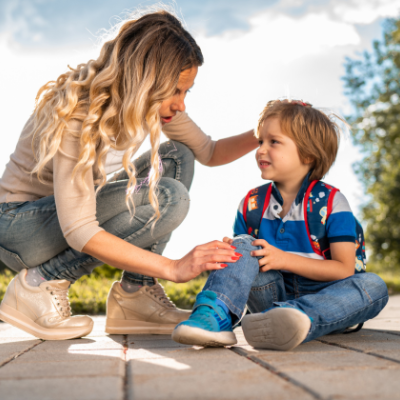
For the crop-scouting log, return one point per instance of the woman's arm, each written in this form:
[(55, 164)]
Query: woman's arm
[(123, 255), (231, 148), (341, 266)]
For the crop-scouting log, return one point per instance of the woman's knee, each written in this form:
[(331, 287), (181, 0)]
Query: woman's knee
[(177, 149), (174, 198)]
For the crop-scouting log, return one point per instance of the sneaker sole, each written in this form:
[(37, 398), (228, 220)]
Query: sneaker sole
[(200, 337), (21, 321), (129, 327), (278, 329)]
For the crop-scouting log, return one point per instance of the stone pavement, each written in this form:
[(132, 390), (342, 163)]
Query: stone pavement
[(363, 365)]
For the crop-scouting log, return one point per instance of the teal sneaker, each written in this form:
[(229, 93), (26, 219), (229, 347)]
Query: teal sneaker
[(209, 325)]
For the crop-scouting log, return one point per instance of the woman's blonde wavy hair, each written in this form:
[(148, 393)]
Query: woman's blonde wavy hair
[(117, 96)]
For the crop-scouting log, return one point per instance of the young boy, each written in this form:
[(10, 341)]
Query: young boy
[(295, 294)]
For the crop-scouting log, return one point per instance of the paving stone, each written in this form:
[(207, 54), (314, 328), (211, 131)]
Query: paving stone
[(87, 388), (162, 343), (72, 368), (9, 350), (134, 338), (366, 384), (310, 347), (339, 360), (62, 356), (208, 379), (85, 344)]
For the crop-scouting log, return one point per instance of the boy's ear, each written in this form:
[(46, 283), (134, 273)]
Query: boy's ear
[(308, 160)]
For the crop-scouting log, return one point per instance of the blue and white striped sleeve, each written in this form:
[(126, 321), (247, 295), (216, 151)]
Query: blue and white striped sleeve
[(341, 224), (239, 226)]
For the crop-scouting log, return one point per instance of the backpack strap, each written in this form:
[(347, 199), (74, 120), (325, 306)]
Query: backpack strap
[(254, 206), (313, 211)]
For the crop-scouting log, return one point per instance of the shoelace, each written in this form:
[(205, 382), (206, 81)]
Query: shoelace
[(61, 296), (158, 292)]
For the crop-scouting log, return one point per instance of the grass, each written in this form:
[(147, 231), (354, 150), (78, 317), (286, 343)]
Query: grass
[(89, 294)]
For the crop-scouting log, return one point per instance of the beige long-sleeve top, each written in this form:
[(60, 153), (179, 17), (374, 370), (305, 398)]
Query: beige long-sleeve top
[(76, 205)]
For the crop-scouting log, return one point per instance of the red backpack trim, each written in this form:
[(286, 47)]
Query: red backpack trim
[(266, 201)]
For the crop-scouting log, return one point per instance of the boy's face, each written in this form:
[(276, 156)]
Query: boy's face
[(277, 157)]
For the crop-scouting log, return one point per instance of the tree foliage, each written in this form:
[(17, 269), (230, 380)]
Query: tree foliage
[(372, 84)]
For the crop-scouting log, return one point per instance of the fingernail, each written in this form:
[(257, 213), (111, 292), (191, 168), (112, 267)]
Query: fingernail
[(224, 265), (233, 247), (252, 254), (235, 258), (238, 254)]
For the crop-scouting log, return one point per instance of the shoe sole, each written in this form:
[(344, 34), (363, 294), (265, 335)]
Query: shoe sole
[(21, 321), (278, 329), (129, 327), (200, 337)]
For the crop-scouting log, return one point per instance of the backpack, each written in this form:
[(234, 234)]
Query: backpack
[(318, 201)]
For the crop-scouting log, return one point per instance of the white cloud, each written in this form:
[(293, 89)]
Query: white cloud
[(366, 12)]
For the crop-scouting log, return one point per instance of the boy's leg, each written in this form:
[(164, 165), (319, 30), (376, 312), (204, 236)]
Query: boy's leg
[(336, 306), (342, 304), (222, 301), (267, 288)]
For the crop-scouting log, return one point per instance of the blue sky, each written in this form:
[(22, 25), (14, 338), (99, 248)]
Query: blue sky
[(254, 50)]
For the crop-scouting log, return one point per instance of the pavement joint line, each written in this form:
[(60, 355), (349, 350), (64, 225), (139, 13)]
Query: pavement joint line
[(369, 353), (14, 356), (125, 378), (275, 371)]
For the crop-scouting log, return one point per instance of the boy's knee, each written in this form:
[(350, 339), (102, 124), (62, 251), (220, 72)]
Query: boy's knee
[(243, 240)]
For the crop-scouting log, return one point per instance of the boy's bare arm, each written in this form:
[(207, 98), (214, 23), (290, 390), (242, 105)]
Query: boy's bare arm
[(341, 266)]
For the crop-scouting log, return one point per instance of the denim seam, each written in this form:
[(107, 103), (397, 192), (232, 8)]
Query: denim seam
[(370, 300)]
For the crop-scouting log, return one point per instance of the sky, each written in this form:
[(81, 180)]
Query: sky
[(254, 51)]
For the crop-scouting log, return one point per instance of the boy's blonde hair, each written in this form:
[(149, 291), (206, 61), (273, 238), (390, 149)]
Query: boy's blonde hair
[(315, 134)]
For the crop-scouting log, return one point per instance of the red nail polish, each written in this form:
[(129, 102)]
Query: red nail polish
[(238, 254), (224, 265), (233, 247), (235, 258)]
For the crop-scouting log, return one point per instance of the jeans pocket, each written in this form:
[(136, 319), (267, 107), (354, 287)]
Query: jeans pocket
[(12, 207), (12, 260)]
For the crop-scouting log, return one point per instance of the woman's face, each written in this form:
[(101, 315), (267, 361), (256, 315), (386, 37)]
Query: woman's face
[(170, 106)]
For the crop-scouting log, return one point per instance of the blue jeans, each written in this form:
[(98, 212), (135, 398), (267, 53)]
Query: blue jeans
[(332, 306), (30, 233)]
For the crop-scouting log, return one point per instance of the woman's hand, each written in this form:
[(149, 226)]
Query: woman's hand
[(272, 258), (205, 257)]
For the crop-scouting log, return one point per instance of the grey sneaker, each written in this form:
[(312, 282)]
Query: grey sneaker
[(276, 329)]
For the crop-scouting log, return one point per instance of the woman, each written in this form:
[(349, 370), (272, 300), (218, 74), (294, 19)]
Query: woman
[(60, 218)]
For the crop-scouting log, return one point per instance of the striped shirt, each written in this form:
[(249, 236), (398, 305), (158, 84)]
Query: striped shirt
[(290, 233)]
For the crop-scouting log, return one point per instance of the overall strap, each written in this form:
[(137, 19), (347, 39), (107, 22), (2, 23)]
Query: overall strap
[(255, 204)]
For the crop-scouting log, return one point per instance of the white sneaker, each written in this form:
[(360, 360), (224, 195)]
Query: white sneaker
[(43, 311), (276, 329)]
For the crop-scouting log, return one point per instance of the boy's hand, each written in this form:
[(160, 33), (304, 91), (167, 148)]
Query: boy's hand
[(273, 258), (227, 240)]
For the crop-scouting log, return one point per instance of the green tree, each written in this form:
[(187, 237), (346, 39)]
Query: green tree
[(372, 84)]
